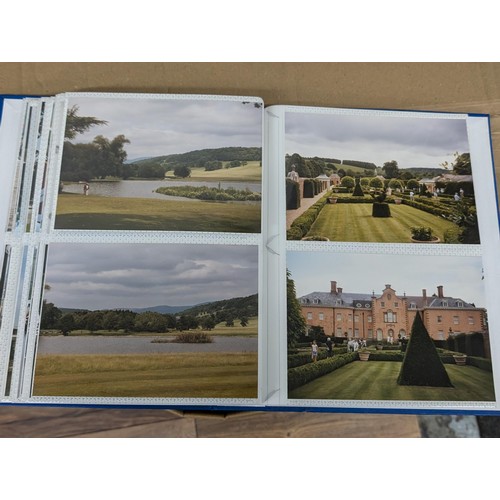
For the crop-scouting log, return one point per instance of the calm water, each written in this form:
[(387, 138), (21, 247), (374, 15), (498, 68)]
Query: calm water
[(146, 189), (138, 345)]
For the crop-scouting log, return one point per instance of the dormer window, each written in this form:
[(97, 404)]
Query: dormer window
[(413, 305), (316, 301), (358, 305), (444, 303), (459, 303), (367, 306)]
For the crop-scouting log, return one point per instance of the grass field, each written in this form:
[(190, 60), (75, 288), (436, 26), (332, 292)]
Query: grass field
[(377, 380), (194, 375), (252, 171), (144, 214), (354, 222)]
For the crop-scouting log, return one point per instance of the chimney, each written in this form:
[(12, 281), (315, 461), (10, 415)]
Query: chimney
[(440, 291), (424, 296), (339, 290), (387, 286), (333, 287)]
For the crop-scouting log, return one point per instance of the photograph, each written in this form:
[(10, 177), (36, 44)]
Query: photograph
[(379, 178), (161, 165), (149, 321), (387, 327)]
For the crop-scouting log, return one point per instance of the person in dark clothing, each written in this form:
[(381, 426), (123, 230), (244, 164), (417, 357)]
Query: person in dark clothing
[(329, 346)]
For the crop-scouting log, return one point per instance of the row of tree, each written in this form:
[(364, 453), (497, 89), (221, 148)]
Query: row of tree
[(127, 321), (312, 167)]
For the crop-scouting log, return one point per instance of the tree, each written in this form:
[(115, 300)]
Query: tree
[(412, 184), (462, 165), (296, 324), (50, 316), (395, 184), (358, 190), (79, 124), (150, 321), (391, 169), (422, 365), (182, 171), (376, 183), (347, 181), (207, 323), (244, 321), (66, 324), (230, 321)]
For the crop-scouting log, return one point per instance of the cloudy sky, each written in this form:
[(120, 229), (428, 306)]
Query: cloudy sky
[(460, 276), (158, 127), (102, 276), (412, 142)]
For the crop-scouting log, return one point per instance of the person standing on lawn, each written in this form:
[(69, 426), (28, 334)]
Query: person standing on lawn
[(314, 351)]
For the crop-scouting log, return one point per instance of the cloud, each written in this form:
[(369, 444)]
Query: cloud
[(461, 277), (412, 142), (142, 275), (161, 126)]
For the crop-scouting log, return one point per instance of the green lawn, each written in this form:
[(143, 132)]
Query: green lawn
[(144, 214), (252, 171), (376, 380), (354, 222), (196, 375)]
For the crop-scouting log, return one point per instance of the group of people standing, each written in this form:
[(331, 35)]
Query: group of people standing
[(353, 345)]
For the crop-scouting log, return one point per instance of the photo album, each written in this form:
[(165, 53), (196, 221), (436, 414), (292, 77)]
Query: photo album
[(213, 252)]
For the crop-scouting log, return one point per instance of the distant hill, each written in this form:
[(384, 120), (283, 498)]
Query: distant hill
[(162, 309), (425, 171), (199, 157), (237, 307)]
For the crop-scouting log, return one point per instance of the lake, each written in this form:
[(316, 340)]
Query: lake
[(139, 345), (146, 189)]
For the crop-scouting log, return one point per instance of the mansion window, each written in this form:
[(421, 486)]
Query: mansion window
[(471, 320), (356, 332), (382, 304), (370, 333), (396, 304), (390, 317), (339, 331), (440, 335), (370, 319), (356, 319), (339, 317), (321, 316), (349, 318), (439, 319), (456, 320), (309, 315)]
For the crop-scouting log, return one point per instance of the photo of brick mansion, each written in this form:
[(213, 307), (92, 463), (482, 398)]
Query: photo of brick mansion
[(388, 316)]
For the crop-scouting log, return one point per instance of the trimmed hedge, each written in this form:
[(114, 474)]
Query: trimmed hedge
[(302, 358), (381, 210), (306, 373), (309, 190), (302, 224), (481, 363), (292, 195), (385, 356)]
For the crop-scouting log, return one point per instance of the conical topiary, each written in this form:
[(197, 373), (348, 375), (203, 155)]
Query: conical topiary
[(422, 364), (358, 190)]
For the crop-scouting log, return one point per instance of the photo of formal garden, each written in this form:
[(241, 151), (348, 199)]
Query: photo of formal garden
[(149, 321), (384, 335), (410, 180), (161, 165)]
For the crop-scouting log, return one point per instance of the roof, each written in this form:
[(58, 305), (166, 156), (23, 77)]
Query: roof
[(364, 300)]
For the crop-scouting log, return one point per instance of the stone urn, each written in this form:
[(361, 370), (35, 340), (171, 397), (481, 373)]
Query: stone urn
[(364, 355), (460, 359)]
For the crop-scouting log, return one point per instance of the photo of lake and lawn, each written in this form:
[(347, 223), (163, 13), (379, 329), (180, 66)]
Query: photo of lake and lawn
[(149, 321), (161, 165)]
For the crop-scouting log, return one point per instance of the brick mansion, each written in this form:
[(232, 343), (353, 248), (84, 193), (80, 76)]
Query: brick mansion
[(389, 315)]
